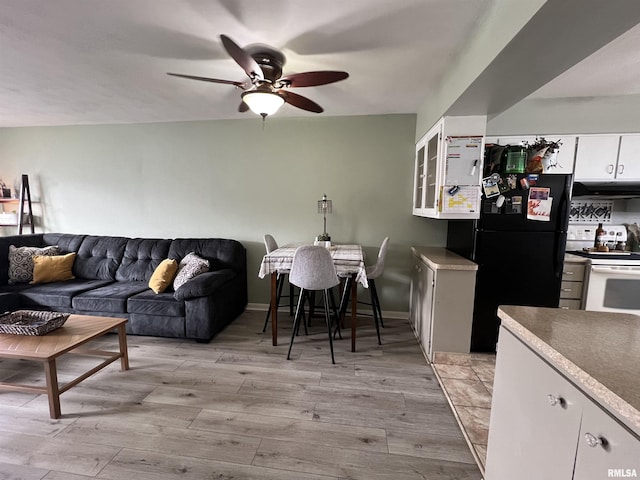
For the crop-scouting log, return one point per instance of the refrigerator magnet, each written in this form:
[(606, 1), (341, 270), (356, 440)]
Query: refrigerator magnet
[(490, 185), (516, 205)]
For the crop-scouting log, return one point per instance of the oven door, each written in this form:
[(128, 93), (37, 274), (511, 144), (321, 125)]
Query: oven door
[(613, 288)]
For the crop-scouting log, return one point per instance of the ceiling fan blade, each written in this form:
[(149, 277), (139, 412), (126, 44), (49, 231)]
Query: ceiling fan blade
[(243, 107), (311, 79), (242, 58), (207, 79), (301, 102)]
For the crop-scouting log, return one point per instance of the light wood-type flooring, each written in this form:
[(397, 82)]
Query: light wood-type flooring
[(237, 409)]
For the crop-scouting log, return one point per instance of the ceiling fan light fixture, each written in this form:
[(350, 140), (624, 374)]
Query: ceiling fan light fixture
[(263, 103)]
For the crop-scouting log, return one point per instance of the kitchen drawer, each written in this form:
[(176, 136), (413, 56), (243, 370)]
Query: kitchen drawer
[(569, 304), (573, 272), (571, 290)]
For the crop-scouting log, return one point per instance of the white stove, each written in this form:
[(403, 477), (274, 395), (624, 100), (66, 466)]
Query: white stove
[(613, 278)]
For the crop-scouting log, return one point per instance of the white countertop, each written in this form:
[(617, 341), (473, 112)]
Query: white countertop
[(439, 258), (597, 351), (570, 257)]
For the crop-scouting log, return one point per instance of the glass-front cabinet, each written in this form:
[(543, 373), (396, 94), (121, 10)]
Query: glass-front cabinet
[(448, 169)]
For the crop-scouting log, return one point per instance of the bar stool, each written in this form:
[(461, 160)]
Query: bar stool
[(313, 270), (373, 272), (270, 245)]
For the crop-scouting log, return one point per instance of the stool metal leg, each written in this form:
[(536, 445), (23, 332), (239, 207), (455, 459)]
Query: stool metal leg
[(296, 322), (327, 316), (335, 314), (376, 303)]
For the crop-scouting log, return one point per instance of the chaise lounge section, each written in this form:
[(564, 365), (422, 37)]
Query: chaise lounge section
[(112, 279)]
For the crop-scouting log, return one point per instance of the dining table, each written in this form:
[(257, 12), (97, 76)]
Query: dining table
[(349, 263)]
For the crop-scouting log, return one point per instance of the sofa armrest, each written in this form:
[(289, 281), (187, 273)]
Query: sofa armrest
[(204, 284)]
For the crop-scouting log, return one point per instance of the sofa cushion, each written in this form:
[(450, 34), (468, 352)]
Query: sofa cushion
[(21, 261), (111, 298), (99, 257), (141, 257), (190, 267), (66, 242), (29, 240), (221, 252), (149, 303), (9, 301), (59, 294), (163, 275), (156, 325), (204, 284), (56, 268)]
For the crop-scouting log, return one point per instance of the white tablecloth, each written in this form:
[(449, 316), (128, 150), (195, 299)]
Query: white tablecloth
[(348, 260)]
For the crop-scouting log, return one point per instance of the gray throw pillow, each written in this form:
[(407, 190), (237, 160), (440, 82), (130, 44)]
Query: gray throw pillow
[(189, 267), (21, 261)]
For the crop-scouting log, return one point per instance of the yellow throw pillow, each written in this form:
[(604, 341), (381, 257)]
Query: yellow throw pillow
[(56, 268), (163, 275)]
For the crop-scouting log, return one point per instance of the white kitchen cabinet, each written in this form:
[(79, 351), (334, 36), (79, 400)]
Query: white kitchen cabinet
[(597, 158), (535, 417), (605, 448), (422, 286), (449, 155), (543, 426), (441, 307), (628, 166), (571, 289)]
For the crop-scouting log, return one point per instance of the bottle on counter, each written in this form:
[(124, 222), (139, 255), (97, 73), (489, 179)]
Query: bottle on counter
[(600, 234)]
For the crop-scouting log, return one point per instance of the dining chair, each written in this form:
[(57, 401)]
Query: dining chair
[(271, 245), (373, 272), (313, 270)]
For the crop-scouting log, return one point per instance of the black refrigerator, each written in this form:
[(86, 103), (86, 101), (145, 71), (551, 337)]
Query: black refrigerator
[(519, 259)]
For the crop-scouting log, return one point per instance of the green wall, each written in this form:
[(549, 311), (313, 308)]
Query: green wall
[(232, 179)]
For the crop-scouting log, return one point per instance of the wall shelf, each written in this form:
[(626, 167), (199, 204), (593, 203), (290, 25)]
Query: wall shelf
[(24, 215)]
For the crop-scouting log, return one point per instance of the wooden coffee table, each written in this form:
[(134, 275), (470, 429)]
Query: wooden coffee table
[(77, 330)]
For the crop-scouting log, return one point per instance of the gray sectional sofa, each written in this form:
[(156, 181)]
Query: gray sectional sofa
[(112, 275)]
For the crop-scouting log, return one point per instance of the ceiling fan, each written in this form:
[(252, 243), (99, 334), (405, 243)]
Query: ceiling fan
[(267, 90)]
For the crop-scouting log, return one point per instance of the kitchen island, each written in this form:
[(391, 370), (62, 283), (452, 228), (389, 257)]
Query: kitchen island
[(566, 400)]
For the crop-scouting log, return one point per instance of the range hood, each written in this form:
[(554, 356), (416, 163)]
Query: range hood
[(606, 190)]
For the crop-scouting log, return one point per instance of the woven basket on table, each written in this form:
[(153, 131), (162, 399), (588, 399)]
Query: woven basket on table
[(31, 322)]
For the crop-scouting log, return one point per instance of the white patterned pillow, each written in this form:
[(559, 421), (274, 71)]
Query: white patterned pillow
[(190, 266), (21, 261)]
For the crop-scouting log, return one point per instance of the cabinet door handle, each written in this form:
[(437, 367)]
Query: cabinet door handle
[(610, 168), (620, 169), (567, 289), (594, 441), (553, 400), (568, 273)]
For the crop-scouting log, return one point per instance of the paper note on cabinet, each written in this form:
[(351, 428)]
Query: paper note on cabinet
[(465, 200)]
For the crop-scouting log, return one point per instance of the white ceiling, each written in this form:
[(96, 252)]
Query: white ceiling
[(68, 62), (613, 70)]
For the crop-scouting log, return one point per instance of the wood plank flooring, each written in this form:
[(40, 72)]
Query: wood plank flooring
[(237, 409)]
